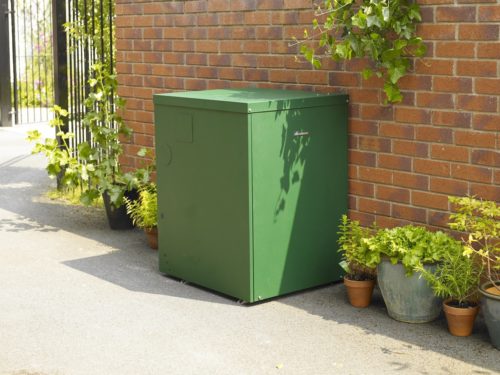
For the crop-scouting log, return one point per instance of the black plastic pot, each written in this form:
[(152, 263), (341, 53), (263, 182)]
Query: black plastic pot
[(118, 218)]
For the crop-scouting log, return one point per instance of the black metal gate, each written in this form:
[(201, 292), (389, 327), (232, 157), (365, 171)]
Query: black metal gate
[(43, 63), (28, 70), (89, 41)]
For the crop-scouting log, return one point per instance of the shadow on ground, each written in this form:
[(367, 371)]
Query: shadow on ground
[(129, 263)]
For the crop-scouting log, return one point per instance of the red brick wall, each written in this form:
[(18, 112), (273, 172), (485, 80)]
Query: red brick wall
[(404, 159)]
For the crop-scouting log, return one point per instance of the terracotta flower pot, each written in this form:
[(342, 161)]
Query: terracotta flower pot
[(359, 292), (152, 237), (460, 319)]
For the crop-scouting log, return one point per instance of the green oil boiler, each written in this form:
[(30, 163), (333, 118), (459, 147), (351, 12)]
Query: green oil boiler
[(252, 184)]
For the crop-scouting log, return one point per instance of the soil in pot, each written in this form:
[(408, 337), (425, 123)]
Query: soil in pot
[(152, 237), (460, 318), (491, 311), (359, 292)]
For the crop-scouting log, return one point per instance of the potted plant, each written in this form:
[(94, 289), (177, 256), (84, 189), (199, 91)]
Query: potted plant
[(480, 220), (106, 129), (144, 212), (456, 279), (93, 166), (359, 263), (407, 296)]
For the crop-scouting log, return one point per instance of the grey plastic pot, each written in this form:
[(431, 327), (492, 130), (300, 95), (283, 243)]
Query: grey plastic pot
[(491, 311), (408, 299)]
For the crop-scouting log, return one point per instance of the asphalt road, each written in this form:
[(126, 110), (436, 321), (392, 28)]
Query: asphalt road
[(78, 298)]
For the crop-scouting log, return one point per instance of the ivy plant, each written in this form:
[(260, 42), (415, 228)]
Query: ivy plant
[(382, 30)]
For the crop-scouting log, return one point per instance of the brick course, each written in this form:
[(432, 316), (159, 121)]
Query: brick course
[(404, 159)]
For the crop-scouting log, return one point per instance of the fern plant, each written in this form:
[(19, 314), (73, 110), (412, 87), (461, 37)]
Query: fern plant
[(144, 210)]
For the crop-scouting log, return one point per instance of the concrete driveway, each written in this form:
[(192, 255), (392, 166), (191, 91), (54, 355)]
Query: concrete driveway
[(78, 298)]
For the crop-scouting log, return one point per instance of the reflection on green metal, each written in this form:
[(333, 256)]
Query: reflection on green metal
[(251, 186)]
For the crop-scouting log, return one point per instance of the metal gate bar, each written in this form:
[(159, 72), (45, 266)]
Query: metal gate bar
[(5, 94), (95, 18), (31, 60)]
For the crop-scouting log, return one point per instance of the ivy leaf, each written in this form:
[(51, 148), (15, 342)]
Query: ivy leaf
[(89, 196), (396, 72), (386, 13), (393, 93), (53, 169), (373, 21), (33, 135), (84, 150), (343, 51), (367, 73), (414, 12), (359, 20), (400, 44)]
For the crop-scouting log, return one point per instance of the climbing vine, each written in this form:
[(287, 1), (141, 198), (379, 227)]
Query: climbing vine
[(382, 30)]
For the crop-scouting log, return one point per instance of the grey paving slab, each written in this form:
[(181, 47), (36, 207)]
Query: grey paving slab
[(78, 298)]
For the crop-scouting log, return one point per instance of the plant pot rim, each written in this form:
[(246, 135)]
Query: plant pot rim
[(448, 300), (488, 284), (359, 282), (388, 259)]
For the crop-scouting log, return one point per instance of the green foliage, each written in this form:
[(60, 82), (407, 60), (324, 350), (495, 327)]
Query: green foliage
[(93, 166), (412, 246), (382, 30), (61, 159), (480, 220), (358, 261), (144, 210), (456, 276), (106, 127), (72, 197)]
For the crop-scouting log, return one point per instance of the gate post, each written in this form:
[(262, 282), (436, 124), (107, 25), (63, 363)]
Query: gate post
[(60, 51), (60, 54), (5, 93)]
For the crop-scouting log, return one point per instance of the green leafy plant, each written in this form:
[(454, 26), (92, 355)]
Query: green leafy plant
[(410, 245), (144, 210), (382, 30), (61, 155), (480, 220), (358, 261), (93, 166), (107, 129), (456, 276)]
